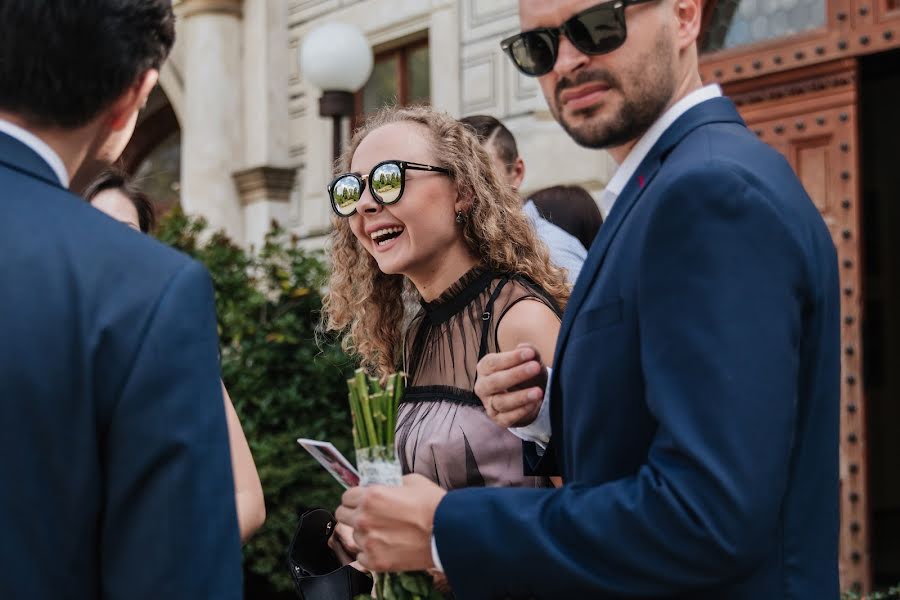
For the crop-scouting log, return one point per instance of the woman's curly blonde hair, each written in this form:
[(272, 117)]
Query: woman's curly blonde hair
[(368, 306)]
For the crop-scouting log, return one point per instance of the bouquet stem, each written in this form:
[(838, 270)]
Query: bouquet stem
[(374, 412)]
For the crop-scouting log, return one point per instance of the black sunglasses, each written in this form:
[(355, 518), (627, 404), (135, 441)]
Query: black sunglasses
[(596, 30), (387, 179)]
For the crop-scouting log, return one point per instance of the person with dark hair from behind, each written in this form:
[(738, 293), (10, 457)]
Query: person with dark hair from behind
[(114, 193), (116, 474), (572, 209), (565, 250)]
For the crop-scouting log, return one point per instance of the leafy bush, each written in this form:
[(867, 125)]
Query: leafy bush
[(891, 594), (283, 385)]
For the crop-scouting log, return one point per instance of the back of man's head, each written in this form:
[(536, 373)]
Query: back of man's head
[(63, 61), (495, 136)]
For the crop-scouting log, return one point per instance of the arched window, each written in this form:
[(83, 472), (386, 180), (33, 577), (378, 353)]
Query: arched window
[(153, 155)]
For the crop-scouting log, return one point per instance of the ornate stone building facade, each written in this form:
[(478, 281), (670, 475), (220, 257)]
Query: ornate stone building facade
[(252, 145)]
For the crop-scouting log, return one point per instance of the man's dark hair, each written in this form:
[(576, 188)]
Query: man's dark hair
[(63, 61), (489, 129), (116, 179)]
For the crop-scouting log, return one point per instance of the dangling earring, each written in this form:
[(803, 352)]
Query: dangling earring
[(460, 218)]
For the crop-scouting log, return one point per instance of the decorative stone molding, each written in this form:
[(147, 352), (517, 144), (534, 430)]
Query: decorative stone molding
[(189, 8), (265, 183)]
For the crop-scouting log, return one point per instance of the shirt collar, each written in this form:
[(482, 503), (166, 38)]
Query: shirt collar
[(40, 147), (626, 170)]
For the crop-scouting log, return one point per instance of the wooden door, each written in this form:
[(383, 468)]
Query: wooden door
[(810, 116)]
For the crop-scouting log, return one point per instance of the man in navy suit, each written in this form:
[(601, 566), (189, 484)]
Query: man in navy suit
[(693, 405), (115, 474)]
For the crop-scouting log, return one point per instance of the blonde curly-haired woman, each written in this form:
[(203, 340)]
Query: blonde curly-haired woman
[(421, 215)]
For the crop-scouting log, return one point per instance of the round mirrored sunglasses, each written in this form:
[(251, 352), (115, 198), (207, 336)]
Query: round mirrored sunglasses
[(387, 181)]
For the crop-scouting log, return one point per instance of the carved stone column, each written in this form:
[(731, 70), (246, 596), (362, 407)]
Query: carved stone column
[(267, 178), (212, 128)]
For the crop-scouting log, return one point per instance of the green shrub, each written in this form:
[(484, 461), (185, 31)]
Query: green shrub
[(891, 594), (283, 385)]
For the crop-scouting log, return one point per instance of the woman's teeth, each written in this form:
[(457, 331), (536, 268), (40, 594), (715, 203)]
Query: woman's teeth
[(383, 236)]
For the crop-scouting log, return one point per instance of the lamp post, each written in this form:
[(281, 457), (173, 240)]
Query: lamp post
[(336, 58)]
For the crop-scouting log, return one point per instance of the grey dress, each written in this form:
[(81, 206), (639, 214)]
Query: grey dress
[(443, 432)]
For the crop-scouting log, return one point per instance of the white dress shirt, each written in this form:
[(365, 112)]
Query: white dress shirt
[(539, 431), (637, 155), (40, 147)]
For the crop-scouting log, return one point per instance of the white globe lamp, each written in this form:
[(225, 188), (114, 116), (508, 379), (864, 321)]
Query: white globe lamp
[(337, 59)]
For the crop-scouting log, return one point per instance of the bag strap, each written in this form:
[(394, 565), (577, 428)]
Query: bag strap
[(488, 316)]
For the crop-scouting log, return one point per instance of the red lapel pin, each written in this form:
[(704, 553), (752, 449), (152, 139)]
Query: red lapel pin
[(641, 181)]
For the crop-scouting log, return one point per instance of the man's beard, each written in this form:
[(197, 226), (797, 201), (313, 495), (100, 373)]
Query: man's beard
[(653, 87)]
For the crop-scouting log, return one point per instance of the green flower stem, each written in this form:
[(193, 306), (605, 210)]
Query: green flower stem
[(374, 411), (399, 389), (358, 442), (363, 391), (388, 407)]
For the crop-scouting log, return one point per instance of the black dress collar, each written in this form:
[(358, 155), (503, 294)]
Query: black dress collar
[(459, 295)]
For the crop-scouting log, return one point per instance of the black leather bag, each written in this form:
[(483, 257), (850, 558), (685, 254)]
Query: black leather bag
[(315, 568)]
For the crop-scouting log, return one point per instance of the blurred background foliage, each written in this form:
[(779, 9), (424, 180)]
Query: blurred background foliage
[(891, 594), (283, 383)]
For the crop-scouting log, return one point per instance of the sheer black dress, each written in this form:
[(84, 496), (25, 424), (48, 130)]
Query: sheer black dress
[(443, 432)]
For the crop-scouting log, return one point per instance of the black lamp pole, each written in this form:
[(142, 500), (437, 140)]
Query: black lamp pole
[(336, 105)]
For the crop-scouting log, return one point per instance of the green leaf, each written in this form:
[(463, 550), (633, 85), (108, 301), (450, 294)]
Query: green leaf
[(416, 582)]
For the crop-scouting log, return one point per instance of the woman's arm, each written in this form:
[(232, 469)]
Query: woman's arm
[(529, 322), (248, 493)]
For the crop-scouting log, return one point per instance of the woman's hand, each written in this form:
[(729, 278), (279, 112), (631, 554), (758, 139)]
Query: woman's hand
[(341, 542)]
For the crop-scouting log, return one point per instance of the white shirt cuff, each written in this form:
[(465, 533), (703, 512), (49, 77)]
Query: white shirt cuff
[(539, 430), (434, 555)]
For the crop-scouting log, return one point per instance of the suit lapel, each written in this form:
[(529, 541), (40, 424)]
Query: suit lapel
[(19, 157), (597, 253), (716, 110)]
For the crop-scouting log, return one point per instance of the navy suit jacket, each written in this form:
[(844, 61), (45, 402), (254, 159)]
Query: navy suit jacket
[(695, 397), (115, 472)]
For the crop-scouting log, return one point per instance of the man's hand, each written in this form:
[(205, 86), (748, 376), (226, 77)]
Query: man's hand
[(392, 525), (511, 386)]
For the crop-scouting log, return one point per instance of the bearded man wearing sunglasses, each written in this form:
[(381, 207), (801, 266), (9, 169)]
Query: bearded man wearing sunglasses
[(693, 405)]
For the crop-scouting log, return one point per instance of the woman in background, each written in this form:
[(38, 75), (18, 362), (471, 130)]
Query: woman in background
[(113, 193)]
